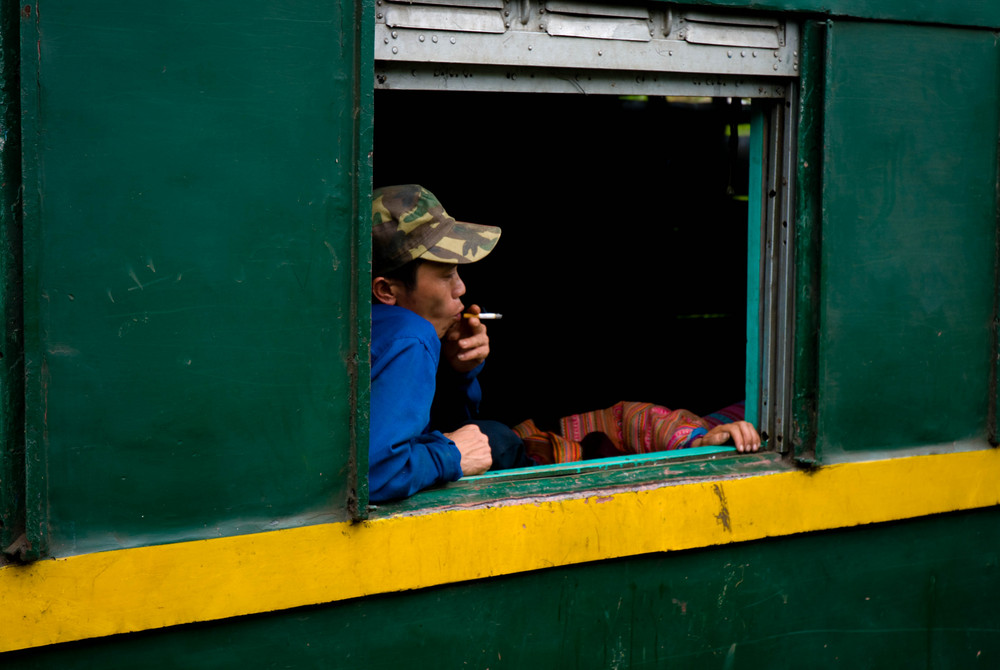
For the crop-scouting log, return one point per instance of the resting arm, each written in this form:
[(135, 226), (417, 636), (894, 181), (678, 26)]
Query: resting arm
[(402, 458)]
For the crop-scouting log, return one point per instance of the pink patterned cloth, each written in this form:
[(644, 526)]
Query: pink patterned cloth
[(632, 427)]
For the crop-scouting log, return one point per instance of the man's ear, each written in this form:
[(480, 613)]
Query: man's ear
[(384, 291)]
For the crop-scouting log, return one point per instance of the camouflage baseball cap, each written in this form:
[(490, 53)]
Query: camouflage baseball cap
[(408, 222)]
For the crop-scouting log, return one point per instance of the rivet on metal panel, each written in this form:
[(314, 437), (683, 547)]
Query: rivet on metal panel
[(395, 50), (434, 38), (531, 47), (775, 66), (600, 53), (729, 54), (421, 38), (670, 53), (394, 34), (743, 54), (385, 39), (452, 40), (378, 15), (541, 26), (753, 53)]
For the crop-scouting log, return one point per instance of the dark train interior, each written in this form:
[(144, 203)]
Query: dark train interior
[(621, 273)]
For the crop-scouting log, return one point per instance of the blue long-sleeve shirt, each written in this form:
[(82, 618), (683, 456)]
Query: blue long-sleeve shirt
[(404, 454)]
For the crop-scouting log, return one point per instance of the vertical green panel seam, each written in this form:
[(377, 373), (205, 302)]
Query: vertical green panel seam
[(11, 357), (994, 406), (36, 486), (364, 100), (808, 219), (754, 253)]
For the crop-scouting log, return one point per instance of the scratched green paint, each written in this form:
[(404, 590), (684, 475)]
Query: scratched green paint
[(808, 208), (885, 596), (191, 239), (908, 236), (361, 317), (11, 363)]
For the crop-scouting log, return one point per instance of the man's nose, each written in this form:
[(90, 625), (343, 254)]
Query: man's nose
[(459, 289)]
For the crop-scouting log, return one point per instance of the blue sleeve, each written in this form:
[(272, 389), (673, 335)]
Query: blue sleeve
[(402, 458)]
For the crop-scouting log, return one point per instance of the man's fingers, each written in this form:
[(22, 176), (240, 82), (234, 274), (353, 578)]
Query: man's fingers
[(474, 448), (466, 329), (480, 352), (478, 340), (738, 437)]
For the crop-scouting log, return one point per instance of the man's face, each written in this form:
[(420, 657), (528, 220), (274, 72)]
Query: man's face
[(435, 295)]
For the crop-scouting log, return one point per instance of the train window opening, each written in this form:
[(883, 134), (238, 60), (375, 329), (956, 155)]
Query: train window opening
[(622, 271), (639, 162)]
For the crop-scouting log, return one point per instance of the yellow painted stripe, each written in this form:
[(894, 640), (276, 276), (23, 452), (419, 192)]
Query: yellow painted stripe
[(136, 589)]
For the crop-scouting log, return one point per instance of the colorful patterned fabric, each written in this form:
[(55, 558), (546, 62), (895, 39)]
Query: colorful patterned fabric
[(632, 427), (734, 412), (545, 447)]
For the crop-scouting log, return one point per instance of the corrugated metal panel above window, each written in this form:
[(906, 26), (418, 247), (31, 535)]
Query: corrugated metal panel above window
[(466, 16), (645, 37), (602, 22), (735, 31)]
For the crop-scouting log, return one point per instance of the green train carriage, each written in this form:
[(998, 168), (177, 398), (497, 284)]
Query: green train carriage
[(791, 202)]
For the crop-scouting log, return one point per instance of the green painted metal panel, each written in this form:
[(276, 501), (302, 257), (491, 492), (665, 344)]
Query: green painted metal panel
[(35, 520), (914, 594), (364, 74), (192, 199), (908, 236), (808, 208), (981, 13), (11, 361)]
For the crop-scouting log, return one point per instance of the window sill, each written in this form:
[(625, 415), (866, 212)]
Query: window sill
[(586, 478)]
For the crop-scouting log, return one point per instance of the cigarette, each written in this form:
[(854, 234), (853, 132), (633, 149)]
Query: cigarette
[(484, 316)]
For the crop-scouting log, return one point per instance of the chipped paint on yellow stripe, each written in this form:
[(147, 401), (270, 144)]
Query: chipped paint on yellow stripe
[(137, 589)]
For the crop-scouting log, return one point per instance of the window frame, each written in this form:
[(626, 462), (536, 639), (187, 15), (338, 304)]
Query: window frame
[(770, 286)]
